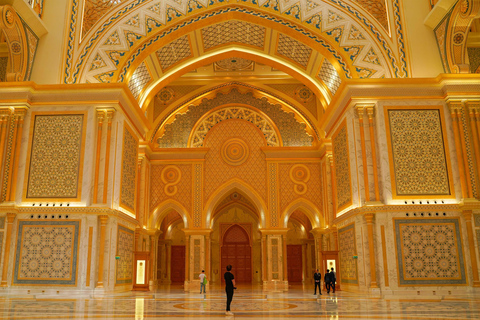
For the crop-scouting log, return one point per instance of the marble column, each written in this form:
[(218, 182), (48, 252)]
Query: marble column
[(197, 256), (276, 259), (458, 148), (6, 255), (360, 110), (101, 250), (318, 236), (371, 124), (168, 259), (467, 215), (100, 118), (19, 117), (371, 249), (110, 112)]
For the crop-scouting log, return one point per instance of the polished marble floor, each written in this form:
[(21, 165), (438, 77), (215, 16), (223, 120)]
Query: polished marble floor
[(249, 302)]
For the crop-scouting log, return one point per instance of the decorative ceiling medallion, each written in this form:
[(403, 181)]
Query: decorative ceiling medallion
[(235, 151), (234, 64), (303, 94), (166, 95)]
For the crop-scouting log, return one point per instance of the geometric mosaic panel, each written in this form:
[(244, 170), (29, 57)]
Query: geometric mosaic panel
[(47, 252), (174, 52), (293, 50), (348, 249), (418, 153), (2, 222), (93, 11), (55, 158), (139, 79), (233, 31), (376, 8), (429, 252), (125, 242), (129, 170), (329, 75), (342, 167), (476, 219)]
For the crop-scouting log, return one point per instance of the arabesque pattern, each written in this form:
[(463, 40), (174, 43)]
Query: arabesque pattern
[(129, 170), (348, 249), (418, 154), (293, 50), (46, 252), (56, 150), (292, 132), (341, 162), (236, 112), (312, 187), (429, 251), (182, 187), (175, 51), (140, 78), (233, 31), (124, 36), (252, 171), (125, 243)]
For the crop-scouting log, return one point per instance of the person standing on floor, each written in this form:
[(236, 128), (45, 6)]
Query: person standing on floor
[(333, 276), (317, 276), (229, 287), (203, 283), (328, 281)]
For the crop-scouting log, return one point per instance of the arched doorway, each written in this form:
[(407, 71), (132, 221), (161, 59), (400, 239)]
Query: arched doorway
[(300, 248), (237, 251)]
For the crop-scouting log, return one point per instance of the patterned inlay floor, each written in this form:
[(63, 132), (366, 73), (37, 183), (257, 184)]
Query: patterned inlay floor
[(248, 302)]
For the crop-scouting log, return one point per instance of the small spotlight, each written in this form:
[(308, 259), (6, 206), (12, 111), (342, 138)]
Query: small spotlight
[(33, 204), (61, 204), (405, 202), (444, 213), (421, 214), (429, 214), (435, 201), (413, 202), (68, 204), (407, 214), (47, 204), (436, 213), (428, 202), (45, 216), (415, 214), (443, 201), (420, 202), (66, 217)]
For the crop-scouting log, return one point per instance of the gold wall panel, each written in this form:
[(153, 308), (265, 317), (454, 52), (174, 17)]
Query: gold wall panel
[(341, 167), (55, 158), (47, 252), (429, 252), (125, 246), (419, 161), (348, 249), (129, 169)]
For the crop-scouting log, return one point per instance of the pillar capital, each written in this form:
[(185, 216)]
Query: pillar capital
[(369, 216), (360, 110), (317, 232), (467, 214), (103, 219), (11, 217)]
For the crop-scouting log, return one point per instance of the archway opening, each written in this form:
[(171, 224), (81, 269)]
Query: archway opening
[(300, 248), (171, 257)]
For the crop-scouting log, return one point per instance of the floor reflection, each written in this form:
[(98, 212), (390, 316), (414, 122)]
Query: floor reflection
[(249, 302)]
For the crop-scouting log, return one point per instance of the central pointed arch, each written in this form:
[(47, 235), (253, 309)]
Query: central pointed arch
[(228, 187)]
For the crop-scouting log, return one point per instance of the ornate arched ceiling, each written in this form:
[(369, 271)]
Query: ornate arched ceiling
[(281, 123), (152, 38)]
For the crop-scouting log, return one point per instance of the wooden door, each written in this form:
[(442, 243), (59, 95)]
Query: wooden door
[(236, 250), (177, 267), (294, 263)]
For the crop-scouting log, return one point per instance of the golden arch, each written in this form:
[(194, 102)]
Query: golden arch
[(228, 187), (162, 210), (311, 211)]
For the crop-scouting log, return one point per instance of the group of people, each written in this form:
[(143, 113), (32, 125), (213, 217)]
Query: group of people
[(329, 279)]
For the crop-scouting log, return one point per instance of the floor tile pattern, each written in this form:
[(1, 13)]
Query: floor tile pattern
[(249, 302)]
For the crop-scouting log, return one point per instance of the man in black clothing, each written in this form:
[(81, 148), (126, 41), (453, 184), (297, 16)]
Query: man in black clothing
[(229, 287), (317, 276), (333, 278), (328, 281)]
